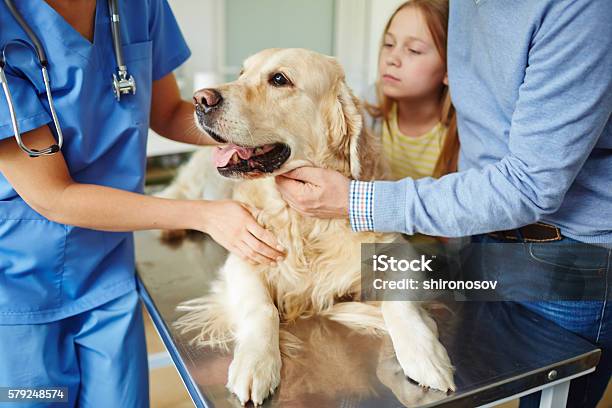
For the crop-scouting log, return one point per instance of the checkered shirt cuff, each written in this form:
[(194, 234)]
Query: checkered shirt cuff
[(361, 200)]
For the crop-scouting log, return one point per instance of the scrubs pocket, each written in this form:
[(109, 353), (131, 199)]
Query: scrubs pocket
[(138, 59), (31, 259)]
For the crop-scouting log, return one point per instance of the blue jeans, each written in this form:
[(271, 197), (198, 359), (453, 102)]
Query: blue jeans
[(564, 263)]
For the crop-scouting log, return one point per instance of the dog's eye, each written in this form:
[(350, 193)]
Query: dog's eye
[(278, 79)]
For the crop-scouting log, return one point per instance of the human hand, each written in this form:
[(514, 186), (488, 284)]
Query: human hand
[(315, 192), (232, 224)]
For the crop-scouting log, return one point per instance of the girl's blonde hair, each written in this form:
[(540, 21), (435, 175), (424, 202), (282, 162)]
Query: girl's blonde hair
[(435, 13)]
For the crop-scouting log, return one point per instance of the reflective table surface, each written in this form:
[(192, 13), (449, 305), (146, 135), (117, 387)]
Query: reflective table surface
[(499, 349)]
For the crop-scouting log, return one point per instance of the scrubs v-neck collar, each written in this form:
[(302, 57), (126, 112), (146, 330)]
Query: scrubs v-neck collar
[(45, 21)]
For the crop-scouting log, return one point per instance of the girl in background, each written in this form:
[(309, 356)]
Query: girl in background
[(412, 110)]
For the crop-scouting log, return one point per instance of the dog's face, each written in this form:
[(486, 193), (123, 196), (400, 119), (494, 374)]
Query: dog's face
[(288, 108)]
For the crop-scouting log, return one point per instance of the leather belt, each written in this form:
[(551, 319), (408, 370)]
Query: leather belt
[(538, 232)]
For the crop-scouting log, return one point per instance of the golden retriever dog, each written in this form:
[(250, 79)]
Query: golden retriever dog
[(287, 109)]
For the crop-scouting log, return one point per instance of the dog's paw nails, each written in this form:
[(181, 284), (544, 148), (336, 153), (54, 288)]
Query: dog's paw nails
[(430, 368), (253, 375), (435, 381), (424, 387)]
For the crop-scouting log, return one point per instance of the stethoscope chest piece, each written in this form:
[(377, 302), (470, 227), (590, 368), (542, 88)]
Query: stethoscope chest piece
[(124, 84)]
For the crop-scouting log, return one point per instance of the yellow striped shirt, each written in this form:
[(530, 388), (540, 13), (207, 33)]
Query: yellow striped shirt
[(411, 156)]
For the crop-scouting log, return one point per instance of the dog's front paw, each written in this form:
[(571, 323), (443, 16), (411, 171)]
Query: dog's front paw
[(254, 374), (428, 364)]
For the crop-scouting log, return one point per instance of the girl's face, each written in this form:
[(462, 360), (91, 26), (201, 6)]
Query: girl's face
[(410, 65)]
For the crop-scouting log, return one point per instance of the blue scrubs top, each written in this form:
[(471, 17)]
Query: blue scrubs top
[(49, 271)]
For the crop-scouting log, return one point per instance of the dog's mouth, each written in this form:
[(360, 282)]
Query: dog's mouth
[(237, 161), (249, 162)]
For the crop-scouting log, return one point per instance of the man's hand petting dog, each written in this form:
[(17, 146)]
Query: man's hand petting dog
[(315, 192)]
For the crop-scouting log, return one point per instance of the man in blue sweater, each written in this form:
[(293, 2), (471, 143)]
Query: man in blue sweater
[(532, 85)]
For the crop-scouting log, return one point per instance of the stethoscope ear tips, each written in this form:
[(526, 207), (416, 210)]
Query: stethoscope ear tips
[(54, 149)]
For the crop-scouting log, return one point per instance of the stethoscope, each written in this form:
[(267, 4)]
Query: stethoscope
[(122, 82)]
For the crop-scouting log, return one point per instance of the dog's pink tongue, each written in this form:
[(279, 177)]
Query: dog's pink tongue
[(222, 155)]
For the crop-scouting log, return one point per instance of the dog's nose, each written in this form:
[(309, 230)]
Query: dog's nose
[(209, 98)]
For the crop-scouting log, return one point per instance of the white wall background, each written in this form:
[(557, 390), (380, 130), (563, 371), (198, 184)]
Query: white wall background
[(202, 24)]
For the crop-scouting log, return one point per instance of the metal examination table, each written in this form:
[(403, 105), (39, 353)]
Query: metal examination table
[(500, 350)]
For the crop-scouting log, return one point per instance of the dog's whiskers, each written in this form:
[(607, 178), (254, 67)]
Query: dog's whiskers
[(250, 135)]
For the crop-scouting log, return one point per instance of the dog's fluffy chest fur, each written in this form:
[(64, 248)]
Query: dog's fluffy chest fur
[(323, 262)]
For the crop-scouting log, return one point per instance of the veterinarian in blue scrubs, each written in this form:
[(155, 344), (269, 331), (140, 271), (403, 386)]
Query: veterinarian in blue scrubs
[(69, 312)]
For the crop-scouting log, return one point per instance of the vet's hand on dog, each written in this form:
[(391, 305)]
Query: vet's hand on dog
[(232, 224), (315, 192)]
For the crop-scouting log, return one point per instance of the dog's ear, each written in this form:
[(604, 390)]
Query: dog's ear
[(346, 125)]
